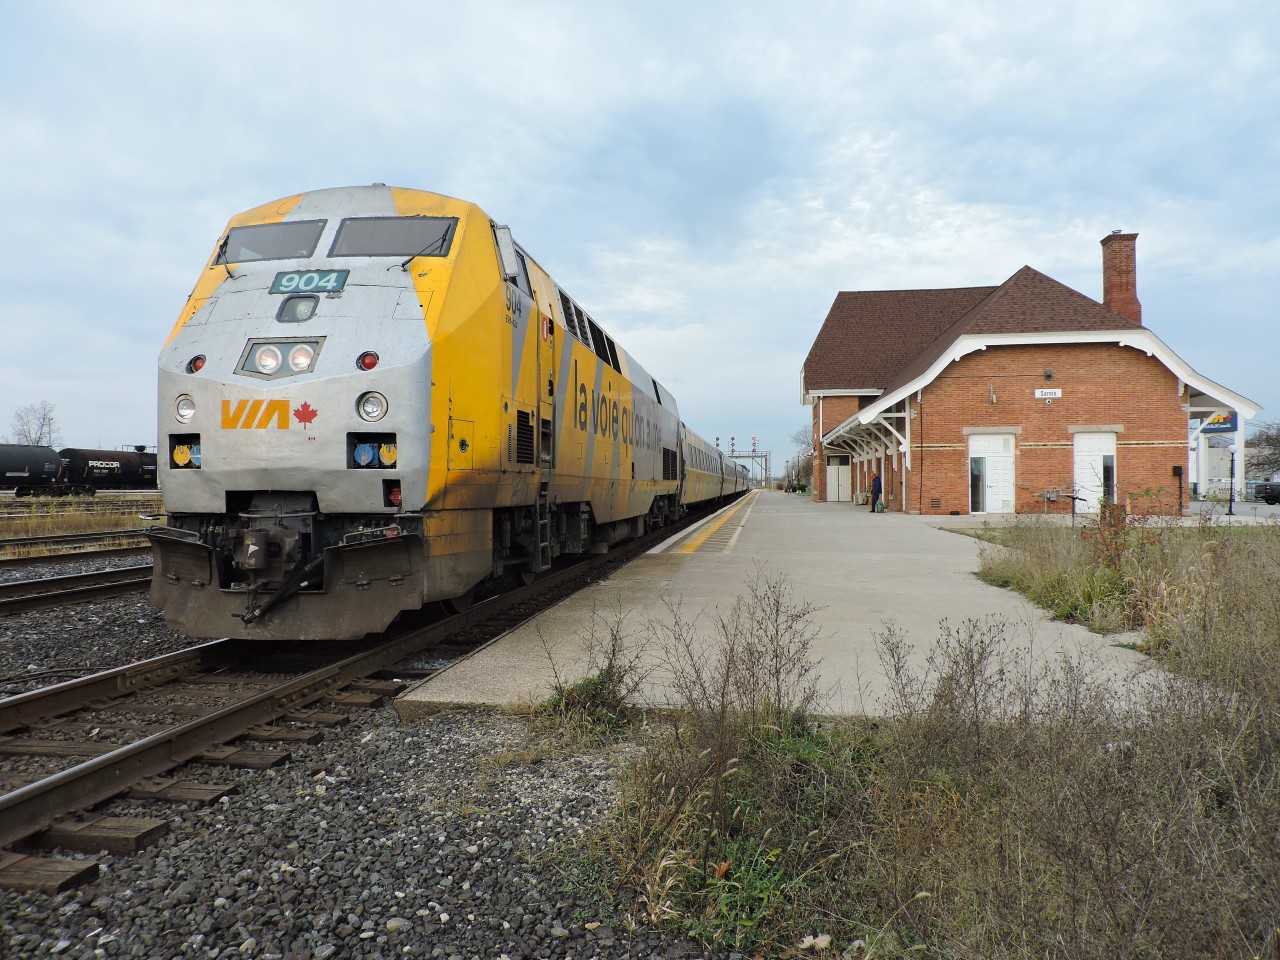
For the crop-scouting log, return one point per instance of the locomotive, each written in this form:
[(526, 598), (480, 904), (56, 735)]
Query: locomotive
[(373, 399), (41, 471)]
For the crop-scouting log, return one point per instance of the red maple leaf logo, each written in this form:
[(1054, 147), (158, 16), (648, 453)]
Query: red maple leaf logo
[(305, 414)]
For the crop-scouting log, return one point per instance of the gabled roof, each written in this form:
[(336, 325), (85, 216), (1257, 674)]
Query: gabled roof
[(890, 343), (869, 336), (1028, 302), (877, 339)]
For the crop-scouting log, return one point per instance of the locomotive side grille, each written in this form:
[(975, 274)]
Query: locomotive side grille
[(524, 437), (668, 464), (570, 315)]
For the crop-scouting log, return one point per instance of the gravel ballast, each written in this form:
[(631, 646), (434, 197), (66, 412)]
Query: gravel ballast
[(384, 840)]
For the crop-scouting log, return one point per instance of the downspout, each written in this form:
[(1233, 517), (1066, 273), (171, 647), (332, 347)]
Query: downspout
[(822, 447), (920, 455), (906, 409)]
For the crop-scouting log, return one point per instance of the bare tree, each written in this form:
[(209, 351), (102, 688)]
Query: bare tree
[(803, 441), (34, 424), (1264, 450)]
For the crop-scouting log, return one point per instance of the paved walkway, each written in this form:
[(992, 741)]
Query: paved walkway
[(862, 571)]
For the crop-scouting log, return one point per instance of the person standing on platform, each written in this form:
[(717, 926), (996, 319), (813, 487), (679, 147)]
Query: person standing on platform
[(875, 490)]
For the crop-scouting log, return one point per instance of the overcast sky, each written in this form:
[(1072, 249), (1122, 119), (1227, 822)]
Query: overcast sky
[(703, 177)]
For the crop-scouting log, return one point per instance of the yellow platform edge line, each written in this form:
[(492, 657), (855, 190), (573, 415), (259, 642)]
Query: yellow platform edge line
[(702, 535)]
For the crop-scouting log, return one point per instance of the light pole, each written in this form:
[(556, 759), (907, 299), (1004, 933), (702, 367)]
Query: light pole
[(1231, 494)]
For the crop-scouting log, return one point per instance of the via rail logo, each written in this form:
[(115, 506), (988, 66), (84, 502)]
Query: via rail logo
[(265, 414)]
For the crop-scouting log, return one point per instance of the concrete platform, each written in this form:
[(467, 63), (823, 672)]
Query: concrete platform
[(862, 570)]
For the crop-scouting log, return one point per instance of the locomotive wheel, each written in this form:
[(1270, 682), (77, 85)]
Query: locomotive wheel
[(527, 576), (459, 603)]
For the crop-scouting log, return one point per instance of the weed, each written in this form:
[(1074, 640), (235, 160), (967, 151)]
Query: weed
[(598, 705)]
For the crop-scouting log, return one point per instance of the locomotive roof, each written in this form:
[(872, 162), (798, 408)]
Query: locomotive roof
[(375, 199)]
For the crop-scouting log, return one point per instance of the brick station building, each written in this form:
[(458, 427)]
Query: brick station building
[(1026, 397)]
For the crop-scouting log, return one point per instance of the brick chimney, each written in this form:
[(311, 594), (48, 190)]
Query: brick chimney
[(1120, 275)]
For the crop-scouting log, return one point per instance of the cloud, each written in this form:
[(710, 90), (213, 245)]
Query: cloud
[(702, 178)]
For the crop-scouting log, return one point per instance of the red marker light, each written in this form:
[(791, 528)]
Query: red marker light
[(195, 364), (394, 497), (368, 360)]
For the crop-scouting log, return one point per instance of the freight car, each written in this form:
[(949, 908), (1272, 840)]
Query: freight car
[(40, 471), (375, 398), (26, 468), (86, 471)]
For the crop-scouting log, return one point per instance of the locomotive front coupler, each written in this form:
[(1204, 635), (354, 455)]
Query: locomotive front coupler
[(300, 579), (272, 543)]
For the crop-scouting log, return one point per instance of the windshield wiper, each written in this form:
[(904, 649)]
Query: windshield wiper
[(438, 242), (222, 256)]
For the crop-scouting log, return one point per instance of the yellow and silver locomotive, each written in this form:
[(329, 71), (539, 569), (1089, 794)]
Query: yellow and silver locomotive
[(374, 398)]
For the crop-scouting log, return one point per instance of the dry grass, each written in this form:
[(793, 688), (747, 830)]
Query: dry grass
[(66, 515), (38, 517), (1001, 810), (1122, 573)]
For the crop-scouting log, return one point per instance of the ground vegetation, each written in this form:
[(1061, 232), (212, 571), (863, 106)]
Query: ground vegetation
[(1000, 805)]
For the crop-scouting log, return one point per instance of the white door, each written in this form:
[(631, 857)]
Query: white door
[(991, 473), (1095, 469), (839, 487)]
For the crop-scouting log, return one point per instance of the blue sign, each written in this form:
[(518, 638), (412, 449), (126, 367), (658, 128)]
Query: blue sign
[(1222, 423)]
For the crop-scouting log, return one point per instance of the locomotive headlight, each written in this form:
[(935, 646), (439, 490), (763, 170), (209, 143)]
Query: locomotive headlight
[(300, 357), (371, 406), (298, 309), (267, 358), (184, 409)]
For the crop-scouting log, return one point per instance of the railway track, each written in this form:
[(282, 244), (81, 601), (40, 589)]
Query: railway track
[(124, 730), (59, 558), (58, 548), (32, 510), (23, 596), (66, 540)]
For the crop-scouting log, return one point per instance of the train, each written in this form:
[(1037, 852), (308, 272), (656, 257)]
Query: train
[(32, 470), (375, 399)]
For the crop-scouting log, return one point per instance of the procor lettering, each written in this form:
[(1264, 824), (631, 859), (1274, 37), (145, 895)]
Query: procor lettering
[(599, 414), (260, 414)]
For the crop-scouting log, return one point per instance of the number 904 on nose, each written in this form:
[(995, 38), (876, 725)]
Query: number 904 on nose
[(308, 281)]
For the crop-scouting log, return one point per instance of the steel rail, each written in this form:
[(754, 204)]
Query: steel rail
[(29, 561), (23, 709), (66, 539), (22, 596)]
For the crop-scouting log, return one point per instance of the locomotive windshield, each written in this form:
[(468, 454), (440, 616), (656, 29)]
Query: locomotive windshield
[(394, 237), (271, 241)]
